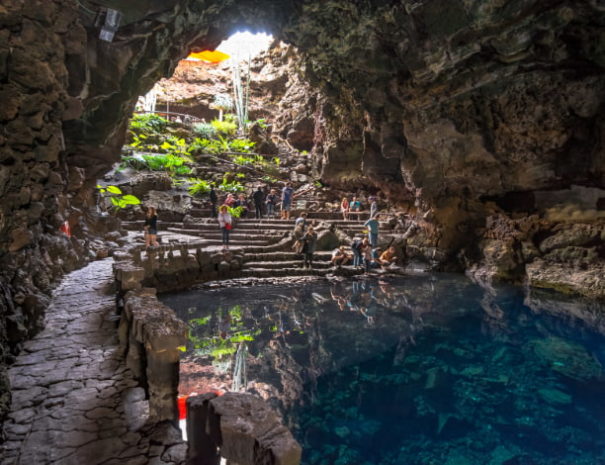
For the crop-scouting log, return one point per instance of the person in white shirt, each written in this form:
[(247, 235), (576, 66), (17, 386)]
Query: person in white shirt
[(225, 222)]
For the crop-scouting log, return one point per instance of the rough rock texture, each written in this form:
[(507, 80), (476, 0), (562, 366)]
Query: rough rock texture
[(440, 103), (74, 400), (245, 428)]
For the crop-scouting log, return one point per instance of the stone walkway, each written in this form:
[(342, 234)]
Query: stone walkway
[(74, 401)]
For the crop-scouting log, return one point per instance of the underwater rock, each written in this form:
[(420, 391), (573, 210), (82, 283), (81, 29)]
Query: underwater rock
[(554, 396), (567, 358)]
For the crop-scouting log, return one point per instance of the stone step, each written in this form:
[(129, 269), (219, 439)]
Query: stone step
[(283, 256), (270, 272), (285, 264), (285, 272), (205, 213), (235, 234), (239, 242)]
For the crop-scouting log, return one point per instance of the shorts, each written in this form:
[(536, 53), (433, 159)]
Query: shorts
[(285, 206), (152, 231)]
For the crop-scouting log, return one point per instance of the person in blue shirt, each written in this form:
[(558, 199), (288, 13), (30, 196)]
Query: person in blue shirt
[(287, 194), (373, 206), (355, 206), (372, 225)]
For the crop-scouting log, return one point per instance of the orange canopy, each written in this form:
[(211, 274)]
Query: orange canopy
[(209, 56)]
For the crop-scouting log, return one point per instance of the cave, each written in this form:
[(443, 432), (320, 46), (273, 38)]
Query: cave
[(479, 123)]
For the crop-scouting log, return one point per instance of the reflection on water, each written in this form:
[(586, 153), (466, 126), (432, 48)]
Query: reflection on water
[(420, 370)]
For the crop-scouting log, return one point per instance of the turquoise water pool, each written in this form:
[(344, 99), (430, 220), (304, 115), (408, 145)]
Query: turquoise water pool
[(427, 370)]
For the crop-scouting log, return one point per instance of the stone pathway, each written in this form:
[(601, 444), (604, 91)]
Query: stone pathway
[(74, 401)]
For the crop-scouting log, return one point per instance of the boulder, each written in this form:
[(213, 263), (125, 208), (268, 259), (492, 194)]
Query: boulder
[(327, 240)]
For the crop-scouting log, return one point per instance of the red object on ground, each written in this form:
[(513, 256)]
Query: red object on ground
[(181, 402), (65, 229)]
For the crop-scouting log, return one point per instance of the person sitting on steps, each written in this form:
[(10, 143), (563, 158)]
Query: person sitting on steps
[(340, 256), (301, 220), (355, 207), (344, 208), (387, 257)]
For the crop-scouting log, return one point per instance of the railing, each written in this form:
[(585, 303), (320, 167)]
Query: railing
[(171, 115)]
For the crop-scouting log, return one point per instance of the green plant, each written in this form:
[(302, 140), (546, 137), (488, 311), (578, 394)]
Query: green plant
[(148, 122), (318, 184), (178, 147), (132, 162), (230, 186), (224, 128), (115, 196), (204, 130), (241, 145), (174, 164), (269, 179), (199, 187), (241, 160), (261, 123), (235, 212)]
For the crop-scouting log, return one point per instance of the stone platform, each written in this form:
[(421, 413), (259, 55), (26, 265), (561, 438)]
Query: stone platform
[(74, 400)]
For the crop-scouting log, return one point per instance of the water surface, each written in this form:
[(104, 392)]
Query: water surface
[(413, 371)]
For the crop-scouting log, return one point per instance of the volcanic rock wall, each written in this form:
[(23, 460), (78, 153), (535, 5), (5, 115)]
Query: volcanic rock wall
[(447, 105)]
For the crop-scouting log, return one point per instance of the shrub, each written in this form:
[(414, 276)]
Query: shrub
[(204, 130), (167, 162), (231, 186), (224, 128), (235, 212), (199, 187), (241, 145), (148, 122)]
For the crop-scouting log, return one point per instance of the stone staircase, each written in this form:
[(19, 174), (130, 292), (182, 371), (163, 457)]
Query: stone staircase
[(265, 242)]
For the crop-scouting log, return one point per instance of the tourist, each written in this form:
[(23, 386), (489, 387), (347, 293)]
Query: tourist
[(340, 256), (387, 257), (229, 200), (355, 207), (151, 228), (372, 225), (301, 220), (258, 197), (373, 206), (309, 242), (287, 194), (297, 235), (271, 202), (225, 222), (356, 246), (242, 202), (366, 252), (213, 201), (344, 208)]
